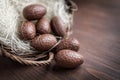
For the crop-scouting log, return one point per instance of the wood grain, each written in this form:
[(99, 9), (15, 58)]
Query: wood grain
[(97, 27)]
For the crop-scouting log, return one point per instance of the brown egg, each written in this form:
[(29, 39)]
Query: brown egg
[(34, 11), (68, 59), (43, 26), (27, 30), (70, 43), (44, 42), (58, 26)]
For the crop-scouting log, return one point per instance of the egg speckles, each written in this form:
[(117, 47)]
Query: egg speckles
[(68, 59), (70, 43), (27, 30), (43, 26), (44, 42), (58, 26), (34, 11)]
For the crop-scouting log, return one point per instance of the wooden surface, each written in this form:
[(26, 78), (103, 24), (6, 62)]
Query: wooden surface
[(97, 27)]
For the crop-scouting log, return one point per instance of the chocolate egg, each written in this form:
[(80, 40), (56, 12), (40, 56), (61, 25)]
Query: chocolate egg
[(68, 59), (58, 26), (44, 42), (69, 43), (43, 26), (27, 31), (34, 11)]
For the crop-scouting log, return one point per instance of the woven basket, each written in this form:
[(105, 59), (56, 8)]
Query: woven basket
[(32, 58)]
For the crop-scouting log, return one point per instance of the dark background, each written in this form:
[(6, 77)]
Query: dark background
[(97, 27)]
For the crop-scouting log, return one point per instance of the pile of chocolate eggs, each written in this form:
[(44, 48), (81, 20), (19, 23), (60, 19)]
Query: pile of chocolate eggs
[(42, 36)]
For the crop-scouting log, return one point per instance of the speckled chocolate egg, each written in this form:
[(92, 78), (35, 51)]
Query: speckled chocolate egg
[(43, 26), (27, 30), (58, 26), (34, 11), (44, 42), (68, 59), (69, 43)]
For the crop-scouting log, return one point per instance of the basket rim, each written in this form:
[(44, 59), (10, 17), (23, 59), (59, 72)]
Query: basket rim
[(4, 52)]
